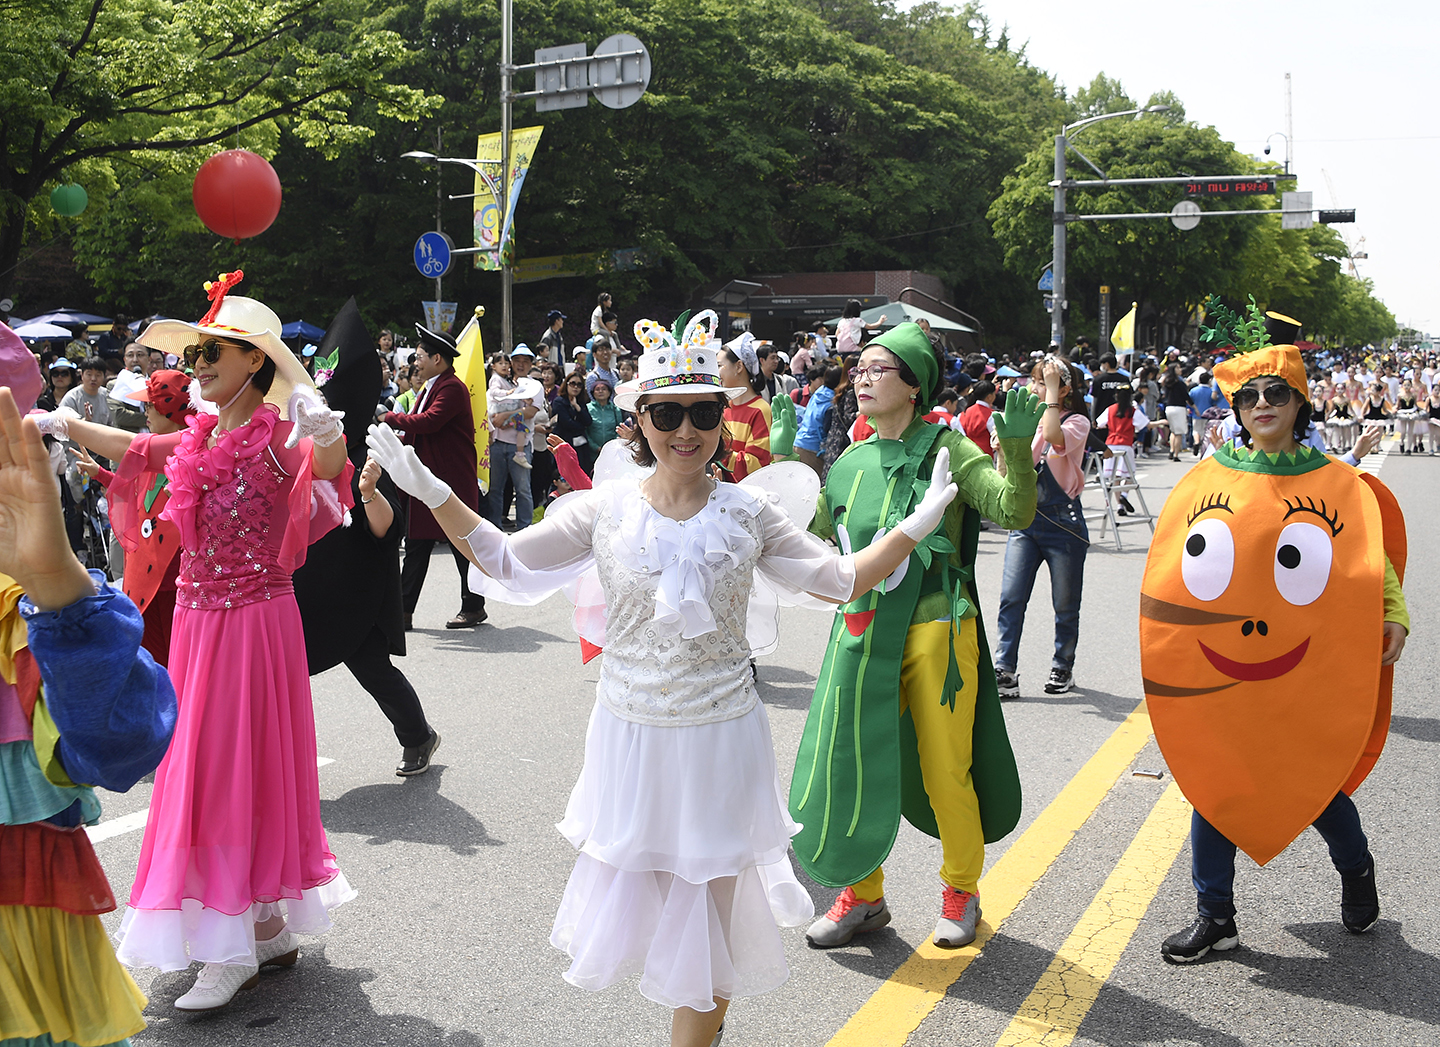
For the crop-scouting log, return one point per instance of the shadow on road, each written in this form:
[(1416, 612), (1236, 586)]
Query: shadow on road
[(1378, 971), (290, 1005), (1420, 728), (509, 639), (409, 810), (1112, 707), (784, 688)]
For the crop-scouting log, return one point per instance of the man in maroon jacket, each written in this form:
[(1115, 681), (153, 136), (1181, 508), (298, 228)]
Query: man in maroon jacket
[(442, 431)]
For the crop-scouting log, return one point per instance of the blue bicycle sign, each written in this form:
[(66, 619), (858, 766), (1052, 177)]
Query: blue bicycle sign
[(433, 254)]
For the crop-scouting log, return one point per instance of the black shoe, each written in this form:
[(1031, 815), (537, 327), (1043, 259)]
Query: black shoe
[(1125, 504), (1359, 904), (1060, 682), (467, 619), (416, 758), (1007, 683), (1199, 938)]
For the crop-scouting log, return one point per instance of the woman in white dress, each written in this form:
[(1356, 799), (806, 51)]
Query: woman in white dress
[(682, 876)]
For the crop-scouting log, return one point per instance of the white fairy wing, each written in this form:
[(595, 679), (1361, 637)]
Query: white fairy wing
[(796, 488), (614, 462)]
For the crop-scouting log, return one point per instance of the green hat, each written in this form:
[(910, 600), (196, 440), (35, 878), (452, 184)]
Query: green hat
[(911, 344)]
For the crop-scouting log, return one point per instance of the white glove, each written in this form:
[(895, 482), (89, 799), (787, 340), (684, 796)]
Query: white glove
[(55, 423), (927, 515), (313, 418), (405, 468)]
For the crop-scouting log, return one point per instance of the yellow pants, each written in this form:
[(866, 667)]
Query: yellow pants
[(945, 740)]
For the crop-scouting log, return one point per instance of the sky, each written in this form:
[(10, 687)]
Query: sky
[(1364, 76)]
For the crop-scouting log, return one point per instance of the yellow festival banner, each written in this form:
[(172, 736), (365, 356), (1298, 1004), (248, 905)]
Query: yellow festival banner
[(489, 224), (470, 366)]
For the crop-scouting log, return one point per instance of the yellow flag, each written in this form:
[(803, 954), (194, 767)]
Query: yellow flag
[(490, 225), (1122, 338), (470, 366)]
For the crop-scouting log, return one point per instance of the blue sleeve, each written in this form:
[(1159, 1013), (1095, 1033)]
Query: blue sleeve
[(114, 706)]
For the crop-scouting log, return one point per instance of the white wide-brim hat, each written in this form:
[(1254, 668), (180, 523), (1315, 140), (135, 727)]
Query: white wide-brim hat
[(689, 365), (239, 319)]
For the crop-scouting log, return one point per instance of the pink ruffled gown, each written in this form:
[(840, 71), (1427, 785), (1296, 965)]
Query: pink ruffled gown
[(234, 829)]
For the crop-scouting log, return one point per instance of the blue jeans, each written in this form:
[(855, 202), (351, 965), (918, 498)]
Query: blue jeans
[(1060, 539), (1212, 856), (502, 464)]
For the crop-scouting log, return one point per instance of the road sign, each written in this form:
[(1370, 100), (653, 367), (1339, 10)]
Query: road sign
[(1229, 186), (1336, 217), (1297, 210), (563, 82), (433, 254), (619, 81), (1185, 215), (1047, 281)]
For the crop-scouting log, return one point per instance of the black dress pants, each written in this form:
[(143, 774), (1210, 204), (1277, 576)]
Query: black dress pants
[(373, 670), (417, 563)]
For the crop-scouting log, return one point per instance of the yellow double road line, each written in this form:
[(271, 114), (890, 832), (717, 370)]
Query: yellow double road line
[(1052, 1013), (898, 1007)]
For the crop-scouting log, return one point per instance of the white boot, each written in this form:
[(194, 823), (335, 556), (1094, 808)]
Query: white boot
[(217, 985)]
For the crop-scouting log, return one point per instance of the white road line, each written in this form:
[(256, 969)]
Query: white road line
[(127, 823), (118, 826)]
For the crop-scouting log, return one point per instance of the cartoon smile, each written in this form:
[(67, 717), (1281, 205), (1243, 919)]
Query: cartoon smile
[(1257, 670), (858, 621)]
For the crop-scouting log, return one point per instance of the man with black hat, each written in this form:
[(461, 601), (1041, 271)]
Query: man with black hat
[(442, 431), (552, 339), (348, 588)]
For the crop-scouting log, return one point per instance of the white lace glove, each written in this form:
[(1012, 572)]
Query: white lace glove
[(313, 418), (55, 423), (405, 468), (927, 515)]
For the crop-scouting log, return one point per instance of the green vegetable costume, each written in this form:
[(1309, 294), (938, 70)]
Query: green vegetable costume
[(860, 761)]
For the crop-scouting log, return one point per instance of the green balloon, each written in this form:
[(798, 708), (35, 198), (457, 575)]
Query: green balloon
[(68, 199)]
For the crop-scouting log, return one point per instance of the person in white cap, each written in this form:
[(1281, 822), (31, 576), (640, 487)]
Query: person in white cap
[(683, 872), (234, 858)]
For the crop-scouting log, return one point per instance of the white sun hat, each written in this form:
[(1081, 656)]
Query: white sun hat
[(689, 365), (240, 319)]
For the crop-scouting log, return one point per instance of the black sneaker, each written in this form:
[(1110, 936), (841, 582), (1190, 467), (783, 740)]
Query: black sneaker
[(1007, 683), (416, 758), (1060, 682), (1359, 904), (1199, 938)]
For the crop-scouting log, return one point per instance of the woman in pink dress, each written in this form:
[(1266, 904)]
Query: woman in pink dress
[(234, 857)]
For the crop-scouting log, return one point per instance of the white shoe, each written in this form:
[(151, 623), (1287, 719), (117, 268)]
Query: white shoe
[(280, 951), (522, 461), (217, 985)]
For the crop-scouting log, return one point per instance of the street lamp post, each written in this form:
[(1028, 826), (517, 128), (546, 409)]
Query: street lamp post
[(1057, 258), (496, 188)]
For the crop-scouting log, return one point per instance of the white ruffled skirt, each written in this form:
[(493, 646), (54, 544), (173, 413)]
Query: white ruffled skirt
[(683, 876)]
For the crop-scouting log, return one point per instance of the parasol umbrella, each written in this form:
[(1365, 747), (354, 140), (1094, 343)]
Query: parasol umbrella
[(36, 330)]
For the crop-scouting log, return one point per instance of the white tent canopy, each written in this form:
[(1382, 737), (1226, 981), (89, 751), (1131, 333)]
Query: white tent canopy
[(898, 312)]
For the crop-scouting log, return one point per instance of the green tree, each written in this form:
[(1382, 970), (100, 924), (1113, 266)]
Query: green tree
[(128, 96)]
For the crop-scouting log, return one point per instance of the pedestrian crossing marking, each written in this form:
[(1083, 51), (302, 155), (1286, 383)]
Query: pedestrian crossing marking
[(917, 986), (1051, 1015)]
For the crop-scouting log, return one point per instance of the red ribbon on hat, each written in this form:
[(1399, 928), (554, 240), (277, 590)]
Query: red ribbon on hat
[(216, 290)]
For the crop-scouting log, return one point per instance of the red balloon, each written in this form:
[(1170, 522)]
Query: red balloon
[(237, 194)]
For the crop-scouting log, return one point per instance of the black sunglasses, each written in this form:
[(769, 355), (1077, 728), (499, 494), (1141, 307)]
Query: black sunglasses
[(1277, 395), (210, 349), (667, 414)]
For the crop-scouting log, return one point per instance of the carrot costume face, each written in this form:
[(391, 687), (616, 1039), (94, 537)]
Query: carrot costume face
[(1260, 639)]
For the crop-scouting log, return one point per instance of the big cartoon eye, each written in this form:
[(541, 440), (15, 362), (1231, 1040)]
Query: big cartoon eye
[(1302, 562), (147, 527), (1209, 559)]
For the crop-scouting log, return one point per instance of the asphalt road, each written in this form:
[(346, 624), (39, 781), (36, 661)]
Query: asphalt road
[(459, 871)]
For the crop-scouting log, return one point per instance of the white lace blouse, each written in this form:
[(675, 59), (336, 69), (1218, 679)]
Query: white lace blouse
[(676, 593)]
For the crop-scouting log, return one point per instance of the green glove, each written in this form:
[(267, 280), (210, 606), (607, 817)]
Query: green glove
[(783, 426), (1021, 416)]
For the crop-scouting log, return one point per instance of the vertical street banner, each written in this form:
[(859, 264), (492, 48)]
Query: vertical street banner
[(470, 366), (1104, 319), (490, 225)]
